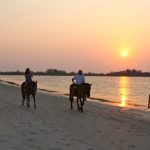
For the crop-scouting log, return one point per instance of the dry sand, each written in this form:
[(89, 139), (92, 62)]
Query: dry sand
[(53, 126)]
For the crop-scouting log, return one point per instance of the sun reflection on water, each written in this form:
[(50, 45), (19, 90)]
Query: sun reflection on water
[(123, 90)]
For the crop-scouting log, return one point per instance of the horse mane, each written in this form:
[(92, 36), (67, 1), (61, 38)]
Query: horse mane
[(34, 82), (87, 84)]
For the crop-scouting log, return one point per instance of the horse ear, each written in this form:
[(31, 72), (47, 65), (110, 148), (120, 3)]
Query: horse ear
[(90, 84), (35, 81)]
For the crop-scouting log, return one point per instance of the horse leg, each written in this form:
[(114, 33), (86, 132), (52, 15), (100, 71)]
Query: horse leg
[(78, 105), (23, 99), (82, 104), (28, 101), (34, 101), (71, 101), (71, 104)]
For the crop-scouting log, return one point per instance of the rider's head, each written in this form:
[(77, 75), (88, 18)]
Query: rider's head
[(80, 72), (27, 70)]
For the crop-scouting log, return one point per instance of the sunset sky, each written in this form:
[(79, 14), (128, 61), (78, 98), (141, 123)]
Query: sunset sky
[(92, 35)]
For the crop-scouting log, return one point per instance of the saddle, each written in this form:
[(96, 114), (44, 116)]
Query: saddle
[(28, 86), (75, 88)]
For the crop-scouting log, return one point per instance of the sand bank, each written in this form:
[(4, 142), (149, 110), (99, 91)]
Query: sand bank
[(53, 126)]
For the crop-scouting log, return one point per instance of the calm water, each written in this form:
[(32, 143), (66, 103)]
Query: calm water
[(126, 91)]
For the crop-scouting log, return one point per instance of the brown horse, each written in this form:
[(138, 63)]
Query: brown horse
[(81, 92), (27, 90)]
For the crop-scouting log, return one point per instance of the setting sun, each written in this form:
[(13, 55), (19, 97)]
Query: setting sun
[(124, 53)]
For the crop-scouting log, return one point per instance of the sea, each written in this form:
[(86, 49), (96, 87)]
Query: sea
[(119, 91)]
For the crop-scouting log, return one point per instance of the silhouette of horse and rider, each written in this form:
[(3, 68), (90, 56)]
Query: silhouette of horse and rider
[(28, 88), (80, 90)]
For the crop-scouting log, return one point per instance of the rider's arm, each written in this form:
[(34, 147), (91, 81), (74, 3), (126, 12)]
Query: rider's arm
[(74, 78), (83, 78)]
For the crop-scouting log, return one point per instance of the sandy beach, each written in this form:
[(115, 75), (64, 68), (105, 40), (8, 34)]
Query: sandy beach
[(53, 126)]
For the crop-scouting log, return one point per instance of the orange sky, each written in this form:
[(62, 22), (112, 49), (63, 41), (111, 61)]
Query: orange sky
[(72, 35)]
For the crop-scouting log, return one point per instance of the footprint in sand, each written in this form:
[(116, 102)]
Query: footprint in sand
[(90, 148), (98, 131), (63, 139), (67, 145), (2, 141), (31, 139), (44, 132), (132, 146), (59, 148), (32, 133), (113, 142), (121, 141)]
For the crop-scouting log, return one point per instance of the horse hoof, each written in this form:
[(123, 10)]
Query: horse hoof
[(28, 105), (82, 110)]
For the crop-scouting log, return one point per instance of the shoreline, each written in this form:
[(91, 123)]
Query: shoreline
[(105, 101)]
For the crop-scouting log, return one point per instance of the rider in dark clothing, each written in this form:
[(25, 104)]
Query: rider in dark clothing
[(28, 77)]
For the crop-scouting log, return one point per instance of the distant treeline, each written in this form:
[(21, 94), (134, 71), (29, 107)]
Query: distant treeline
[(129, 72), (52, 72), (47, 72), (56, 72)]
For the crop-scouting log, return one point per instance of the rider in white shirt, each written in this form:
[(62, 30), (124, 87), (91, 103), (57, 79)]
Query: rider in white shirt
[(79, 78)]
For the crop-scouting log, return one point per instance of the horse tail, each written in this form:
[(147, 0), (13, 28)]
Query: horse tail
[(71, 93)]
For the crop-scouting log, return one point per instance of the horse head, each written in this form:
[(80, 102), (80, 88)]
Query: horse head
[(88, 89), (34, 83)]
